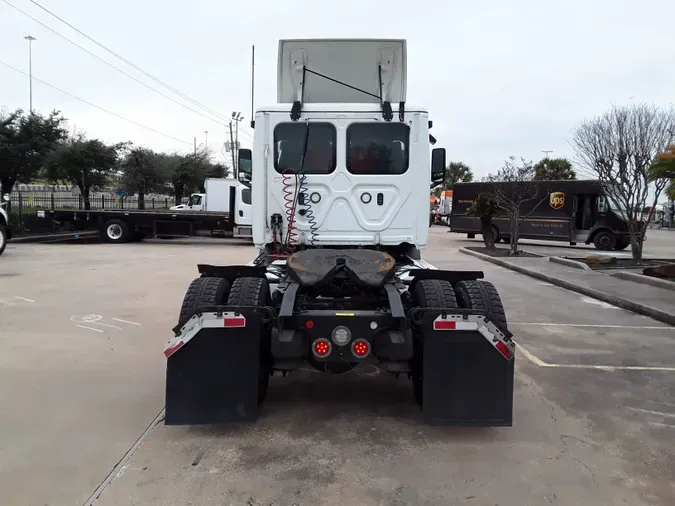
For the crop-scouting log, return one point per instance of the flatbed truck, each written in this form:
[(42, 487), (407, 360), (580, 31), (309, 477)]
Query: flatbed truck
[(121, 226)]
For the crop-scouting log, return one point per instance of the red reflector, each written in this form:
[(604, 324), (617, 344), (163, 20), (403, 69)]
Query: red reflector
[(321, 347), (309, 324), (234, 322), (361, 348), (445, 325), (501, 348)]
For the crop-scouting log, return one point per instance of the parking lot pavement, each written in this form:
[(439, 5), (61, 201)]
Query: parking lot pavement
[(583, 434), (660, 243), (82, 329)]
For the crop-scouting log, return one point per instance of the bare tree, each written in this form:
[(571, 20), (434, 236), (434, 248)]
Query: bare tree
[(620, 147), (512, 186)]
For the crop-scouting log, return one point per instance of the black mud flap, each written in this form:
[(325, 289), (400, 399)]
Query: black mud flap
[(467, 380), (212, 370)]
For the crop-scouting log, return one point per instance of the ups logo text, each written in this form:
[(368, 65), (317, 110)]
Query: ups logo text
[(557, 200)]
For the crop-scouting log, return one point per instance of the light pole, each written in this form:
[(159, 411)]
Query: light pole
[(206, 139), (30, 40), (546, 152), (237, 117)]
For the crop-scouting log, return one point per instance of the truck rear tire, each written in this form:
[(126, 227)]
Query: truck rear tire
[(250, 291), (203, 292), (604, 240), (3, 238), (483, 296), (116, 231), (436, 293)]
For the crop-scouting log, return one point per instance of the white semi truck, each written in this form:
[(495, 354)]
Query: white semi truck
[(340, 170)]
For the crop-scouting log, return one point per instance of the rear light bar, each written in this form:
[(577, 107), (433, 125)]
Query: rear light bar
[(481, 324), (228, 320)]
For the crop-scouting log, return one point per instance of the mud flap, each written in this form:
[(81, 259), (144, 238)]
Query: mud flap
[(467, 376), (212, 368)]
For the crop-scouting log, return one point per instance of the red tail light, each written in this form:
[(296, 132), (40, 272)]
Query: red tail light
[(361, 348), (321, 348)]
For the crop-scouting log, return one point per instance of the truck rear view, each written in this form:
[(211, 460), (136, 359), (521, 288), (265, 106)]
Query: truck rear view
[(340, 173)]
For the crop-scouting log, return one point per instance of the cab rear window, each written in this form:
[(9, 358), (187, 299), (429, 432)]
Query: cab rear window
[(378, 148)]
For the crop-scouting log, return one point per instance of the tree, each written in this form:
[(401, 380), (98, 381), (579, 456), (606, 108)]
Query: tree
[(485, 209), (188, 172), (512, 186), (620, 147), (552, 169), (25, 142), (457, 172), (84, 163), (143, 171)]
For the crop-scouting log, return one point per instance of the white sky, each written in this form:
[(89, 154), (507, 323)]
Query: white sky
[(499, 78)]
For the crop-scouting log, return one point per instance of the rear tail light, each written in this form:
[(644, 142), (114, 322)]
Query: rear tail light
[(361, 348), (321, 348)]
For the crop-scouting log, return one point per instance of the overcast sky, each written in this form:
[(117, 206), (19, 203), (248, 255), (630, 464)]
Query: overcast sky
[(499, 78)]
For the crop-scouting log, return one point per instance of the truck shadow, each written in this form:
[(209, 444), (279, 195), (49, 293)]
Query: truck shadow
[(374, 406)]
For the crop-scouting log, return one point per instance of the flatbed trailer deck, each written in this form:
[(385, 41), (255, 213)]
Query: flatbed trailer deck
[(119, 226)]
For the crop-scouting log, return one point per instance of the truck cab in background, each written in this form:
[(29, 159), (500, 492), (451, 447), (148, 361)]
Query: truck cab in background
[(218, 197)]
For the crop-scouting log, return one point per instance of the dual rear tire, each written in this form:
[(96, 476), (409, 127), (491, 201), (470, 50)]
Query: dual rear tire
[(247, 291), (437, 293)]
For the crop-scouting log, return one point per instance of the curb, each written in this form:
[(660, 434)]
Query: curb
[(652, 312), (569, 263), (53, 237), (646, 280)]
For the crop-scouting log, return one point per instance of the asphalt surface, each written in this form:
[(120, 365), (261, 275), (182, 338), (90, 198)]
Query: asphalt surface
[(659, 244), (82, 385)]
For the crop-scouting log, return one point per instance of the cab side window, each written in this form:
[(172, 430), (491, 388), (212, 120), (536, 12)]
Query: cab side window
[(602, 204)]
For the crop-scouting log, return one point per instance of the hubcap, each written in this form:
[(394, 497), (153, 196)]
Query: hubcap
[(114, 232)]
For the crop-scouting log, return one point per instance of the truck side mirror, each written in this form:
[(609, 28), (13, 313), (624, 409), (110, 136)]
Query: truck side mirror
[(6, 197), (437, 165), (244, 165)]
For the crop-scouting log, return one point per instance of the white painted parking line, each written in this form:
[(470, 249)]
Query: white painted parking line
[(25, 299), (90, 328), (609, 368), (651, 412), (5, 303), (599, 326), (125, 321)]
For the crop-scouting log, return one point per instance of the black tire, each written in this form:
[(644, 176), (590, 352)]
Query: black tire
[(3, 238), (203, 292), (116, 231), (495, 234), (428, 293), (483, 296), (604, 240), (255, 292), (622, 244)]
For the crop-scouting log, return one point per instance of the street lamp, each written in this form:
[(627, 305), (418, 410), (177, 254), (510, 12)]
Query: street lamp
[(30, 40), (206, 139)]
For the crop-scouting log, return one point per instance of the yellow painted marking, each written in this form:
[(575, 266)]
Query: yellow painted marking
[(345, 314), (609, 368)]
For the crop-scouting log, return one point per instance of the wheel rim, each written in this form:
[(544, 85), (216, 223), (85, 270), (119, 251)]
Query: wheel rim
[(2, 238), (114, 232), (606, 241)]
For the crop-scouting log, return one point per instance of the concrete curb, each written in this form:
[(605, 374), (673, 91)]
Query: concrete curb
[(645, 280), (652, 312), (569, 263), (53, 237)]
